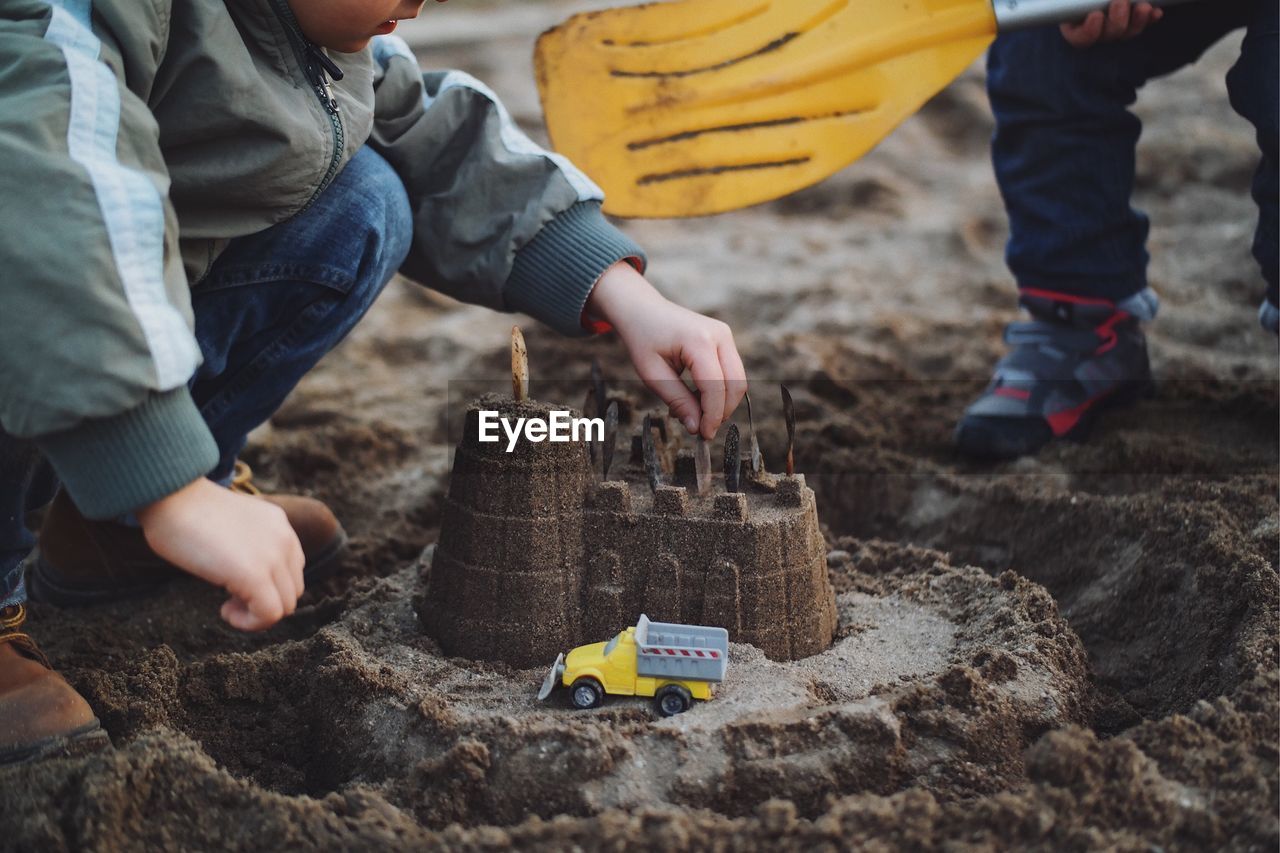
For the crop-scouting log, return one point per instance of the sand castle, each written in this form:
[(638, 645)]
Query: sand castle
[(535, 556)]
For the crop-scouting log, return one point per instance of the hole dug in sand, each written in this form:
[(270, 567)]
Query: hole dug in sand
[(950, 703), (918, 682), (1158, 539), (940, 678), (932, 678)]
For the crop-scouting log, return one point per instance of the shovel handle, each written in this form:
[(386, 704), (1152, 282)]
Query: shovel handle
[(1023, 14)]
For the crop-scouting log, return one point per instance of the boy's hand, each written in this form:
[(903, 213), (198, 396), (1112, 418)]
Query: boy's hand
[(240, 543), (664, 340), (1121, 21)]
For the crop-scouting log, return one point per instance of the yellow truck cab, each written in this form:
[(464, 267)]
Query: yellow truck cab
[(673, 663)]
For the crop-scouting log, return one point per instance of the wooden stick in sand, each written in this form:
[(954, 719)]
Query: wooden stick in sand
[(598, 386), (702, 465), (732, 460), (610, 436), (789, 413), (652, 467), (757, 461), (590, 410), (519, 366)]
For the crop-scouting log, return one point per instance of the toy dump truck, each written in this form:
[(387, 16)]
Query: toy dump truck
[(675, 664)]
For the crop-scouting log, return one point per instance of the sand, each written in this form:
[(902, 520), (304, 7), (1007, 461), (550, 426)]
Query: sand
[(1071, 652)]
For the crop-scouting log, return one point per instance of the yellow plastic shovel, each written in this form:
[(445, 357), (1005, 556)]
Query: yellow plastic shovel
[(702, 106)]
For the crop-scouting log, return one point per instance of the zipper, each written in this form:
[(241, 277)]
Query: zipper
[(318, 68)]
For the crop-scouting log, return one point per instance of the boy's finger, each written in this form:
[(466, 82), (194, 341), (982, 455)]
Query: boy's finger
[(266, 607), (237, 614), (1137, 20), (1087, 32), (1117, 25), (287, 588), (708, 375), (662, 380), (294, 589), (297, 563), (1143, 15)]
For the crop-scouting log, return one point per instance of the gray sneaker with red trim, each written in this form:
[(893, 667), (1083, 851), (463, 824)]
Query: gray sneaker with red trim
[(1073, 358)]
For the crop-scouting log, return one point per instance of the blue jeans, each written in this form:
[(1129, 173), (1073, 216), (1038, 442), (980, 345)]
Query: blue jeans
[(1064, 143), (271, 306)]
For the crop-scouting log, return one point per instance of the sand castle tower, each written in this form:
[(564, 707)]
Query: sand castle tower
[(536, 556), (751, 562), (506, 578)]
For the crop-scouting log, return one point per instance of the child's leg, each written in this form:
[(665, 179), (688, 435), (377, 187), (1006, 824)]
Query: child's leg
[(40, 714), (272, 305), (1064, 146), (26, 483), (275, 302), (1253, 87), (1064, 158)]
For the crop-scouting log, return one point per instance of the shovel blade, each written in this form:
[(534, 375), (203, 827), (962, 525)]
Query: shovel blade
[(553, 677), (704, 106)]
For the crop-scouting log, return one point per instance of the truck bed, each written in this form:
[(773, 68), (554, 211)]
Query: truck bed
[(681, 652)]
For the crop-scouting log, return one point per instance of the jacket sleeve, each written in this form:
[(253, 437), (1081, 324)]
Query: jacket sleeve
[(498, 221), (96, 343)]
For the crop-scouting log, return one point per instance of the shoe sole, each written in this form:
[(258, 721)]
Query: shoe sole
[(85, 740), (974, 442), (45, 586)]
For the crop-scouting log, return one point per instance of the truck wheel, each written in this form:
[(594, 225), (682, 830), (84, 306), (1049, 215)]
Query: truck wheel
[(586, 693), (672, 699)]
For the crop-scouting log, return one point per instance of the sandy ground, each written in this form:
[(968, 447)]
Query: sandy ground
[(1077, 651)]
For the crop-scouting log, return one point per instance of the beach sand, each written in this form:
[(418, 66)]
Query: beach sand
[(1074, 651)]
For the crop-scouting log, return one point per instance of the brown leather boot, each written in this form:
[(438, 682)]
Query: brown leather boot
[(78, 561), (41, 716)]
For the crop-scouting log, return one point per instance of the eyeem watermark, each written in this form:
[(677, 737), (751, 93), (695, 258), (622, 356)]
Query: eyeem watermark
[(559, 426)]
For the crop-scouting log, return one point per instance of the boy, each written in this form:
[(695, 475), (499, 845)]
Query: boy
[(199, 202), (1064, 157)]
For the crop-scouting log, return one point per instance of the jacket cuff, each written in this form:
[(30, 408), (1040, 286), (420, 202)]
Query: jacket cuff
[(112, 466), (555, 271)]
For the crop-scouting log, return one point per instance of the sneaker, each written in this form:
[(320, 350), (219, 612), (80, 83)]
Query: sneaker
[(1071, 359), (78, 561), (41, 715), (1269, 317)]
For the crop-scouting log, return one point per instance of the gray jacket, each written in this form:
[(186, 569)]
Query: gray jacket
[(138, 137)]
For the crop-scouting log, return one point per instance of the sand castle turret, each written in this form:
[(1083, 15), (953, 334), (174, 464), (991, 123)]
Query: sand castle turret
[(535, 557), (753, 563), (506, 577)]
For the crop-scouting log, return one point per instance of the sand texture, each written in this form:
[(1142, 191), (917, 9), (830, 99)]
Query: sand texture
[(1073, 652)]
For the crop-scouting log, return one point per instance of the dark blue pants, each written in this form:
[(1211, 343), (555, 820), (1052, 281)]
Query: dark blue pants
[(271, 307), (1064, 143)]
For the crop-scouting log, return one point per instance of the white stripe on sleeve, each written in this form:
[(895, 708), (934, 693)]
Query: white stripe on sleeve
[(132, 209)]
